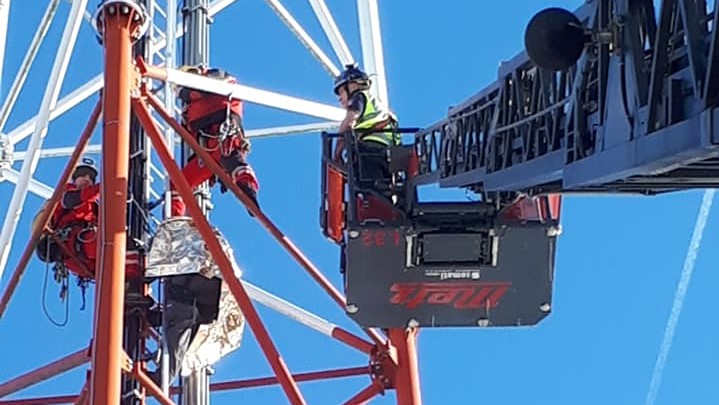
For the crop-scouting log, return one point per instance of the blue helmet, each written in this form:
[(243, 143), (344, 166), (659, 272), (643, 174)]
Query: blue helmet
[(352, 74)]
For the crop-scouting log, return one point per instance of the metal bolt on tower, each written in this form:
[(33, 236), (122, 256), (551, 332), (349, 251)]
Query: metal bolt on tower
[(120, 23)]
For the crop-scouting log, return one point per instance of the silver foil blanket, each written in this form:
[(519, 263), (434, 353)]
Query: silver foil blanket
[(217, 339), (178, 248)]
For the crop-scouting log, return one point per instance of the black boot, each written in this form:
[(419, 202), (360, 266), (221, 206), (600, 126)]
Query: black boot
[(251, 193)]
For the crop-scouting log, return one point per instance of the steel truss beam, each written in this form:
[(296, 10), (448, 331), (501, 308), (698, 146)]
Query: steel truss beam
[(249, 94), (227, 385), (304, 37), (634, 114), (32, 51), (4, 15), (333, 33), (372, 54)]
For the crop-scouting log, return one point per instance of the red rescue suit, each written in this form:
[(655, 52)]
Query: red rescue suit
[(216, 123), (75, 224), (205, 110)]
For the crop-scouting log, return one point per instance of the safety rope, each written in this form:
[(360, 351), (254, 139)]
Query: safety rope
[(80, 235), (61, 273), (225, 130), (60, 276)]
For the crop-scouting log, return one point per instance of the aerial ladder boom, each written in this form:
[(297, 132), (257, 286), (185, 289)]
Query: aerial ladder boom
[(616, 97), (613, 98)]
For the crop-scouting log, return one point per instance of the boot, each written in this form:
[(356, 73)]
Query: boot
[(247, 182), (250, 192)]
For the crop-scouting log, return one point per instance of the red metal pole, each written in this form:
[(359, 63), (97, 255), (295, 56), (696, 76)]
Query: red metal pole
[(300, 377), (407, 372), (243, 300), (150, 386), (51, 204), (259, 215), (65, 399), (352, 340), (107, 356), (45, 372)]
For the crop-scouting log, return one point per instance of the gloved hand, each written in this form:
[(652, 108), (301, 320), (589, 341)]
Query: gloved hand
[(250, 192)]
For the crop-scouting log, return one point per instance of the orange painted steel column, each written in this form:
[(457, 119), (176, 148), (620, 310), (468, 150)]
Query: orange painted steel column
[(289, 385), (52, 202), (107, 355), (407, 372)]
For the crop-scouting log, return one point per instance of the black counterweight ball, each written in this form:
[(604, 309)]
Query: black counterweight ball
[(554, 39)]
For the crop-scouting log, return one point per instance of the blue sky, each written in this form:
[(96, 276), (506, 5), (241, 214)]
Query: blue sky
[(618, 262)]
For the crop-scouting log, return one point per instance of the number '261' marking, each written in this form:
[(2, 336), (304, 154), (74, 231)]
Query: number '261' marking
[(380, 237)]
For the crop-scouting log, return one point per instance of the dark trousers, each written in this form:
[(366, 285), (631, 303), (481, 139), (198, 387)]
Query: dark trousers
[(373, 165), (192, 300)]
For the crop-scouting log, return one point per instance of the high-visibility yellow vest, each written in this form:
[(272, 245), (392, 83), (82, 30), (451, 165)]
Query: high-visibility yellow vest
[(377, 123)]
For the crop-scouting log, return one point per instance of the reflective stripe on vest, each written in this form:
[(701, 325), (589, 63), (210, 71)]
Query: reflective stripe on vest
[(376, 117)]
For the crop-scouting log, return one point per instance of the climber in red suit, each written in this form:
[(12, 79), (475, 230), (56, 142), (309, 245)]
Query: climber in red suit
[(216, 123), (74, 222)]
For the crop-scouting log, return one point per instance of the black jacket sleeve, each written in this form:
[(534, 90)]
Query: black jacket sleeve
[(73, 198)]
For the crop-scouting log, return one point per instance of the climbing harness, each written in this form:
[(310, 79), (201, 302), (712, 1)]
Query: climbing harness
[(225, 134), (61, 274)]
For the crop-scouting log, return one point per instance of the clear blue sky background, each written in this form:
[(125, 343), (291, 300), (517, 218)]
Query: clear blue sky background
[(619, 259)]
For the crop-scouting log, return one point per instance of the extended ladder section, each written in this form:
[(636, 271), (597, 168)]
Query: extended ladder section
[(626, 102), (413, 263)]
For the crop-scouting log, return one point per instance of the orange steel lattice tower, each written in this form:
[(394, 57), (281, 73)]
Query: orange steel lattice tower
[(392, 360)]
